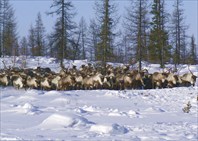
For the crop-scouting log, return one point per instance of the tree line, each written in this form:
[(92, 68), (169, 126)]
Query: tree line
[(148, 32)]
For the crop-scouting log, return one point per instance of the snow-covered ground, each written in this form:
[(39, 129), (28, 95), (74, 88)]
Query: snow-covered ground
[(135, 115)]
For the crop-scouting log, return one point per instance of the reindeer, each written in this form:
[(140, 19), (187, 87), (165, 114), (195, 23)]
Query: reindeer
[(67, 82), (45, 83), (32, 82), (94, 81), (188, 78), (4, 79), (159, 80)]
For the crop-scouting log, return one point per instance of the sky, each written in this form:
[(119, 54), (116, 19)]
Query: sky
[(26, 12)]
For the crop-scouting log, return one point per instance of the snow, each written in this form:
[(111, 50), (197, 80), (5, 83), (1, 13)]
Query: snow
[(58, 122), (135, 115), (108, 129)]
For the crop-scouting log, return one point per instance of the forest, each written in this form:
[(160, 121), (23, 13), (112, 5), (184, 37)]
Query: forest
[(149, 33)]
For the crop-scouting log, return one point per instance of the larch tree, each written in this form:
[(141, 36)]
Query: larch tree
[(93, 39), (159, 47), (39, 31), (24, 46), (120, 48), (24, 51), (193, 51), (59, 39), (75, 45), (79, 41), (106, 15), (32, 40), (17, 49), (1, 27), (136, 25), (83, 37), (54, 42), (8, 29), (184, 47), (126, 48), (178, 29)]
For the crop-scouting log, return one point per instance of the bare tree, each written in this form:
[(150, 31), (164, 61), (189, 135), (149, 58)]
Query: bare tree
[(1, 27), (63, 27), (83, 36), (39, 31), (136, 24), (32, 40), (178, 29), (24, 51), (184, 47), (120, 48), (75, 52), (193, 51), (8, 33), (93, 39)]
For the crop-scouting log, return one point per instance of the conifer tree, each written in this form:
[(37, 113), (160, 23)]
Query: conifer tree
[(79, 41), (159, 48), (93, 39), (8, 29), (59, 39), (24, 51), (184, 47), (83, 35), (136, 24), (39, 31), (32, 41), (178, 30), (24, 46), (193, 51), (1, 27), (106, 16)]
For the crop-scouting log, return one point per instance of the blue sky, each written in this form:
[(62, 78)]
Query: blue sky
[(26, 12)]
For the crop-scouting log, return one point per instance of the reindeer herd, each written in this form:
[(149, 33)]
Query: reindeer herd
[(88, 77)]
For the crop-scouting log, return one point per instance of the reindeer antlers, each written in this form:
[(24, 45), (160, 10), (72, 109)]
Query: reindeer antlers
[(189, 69)]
